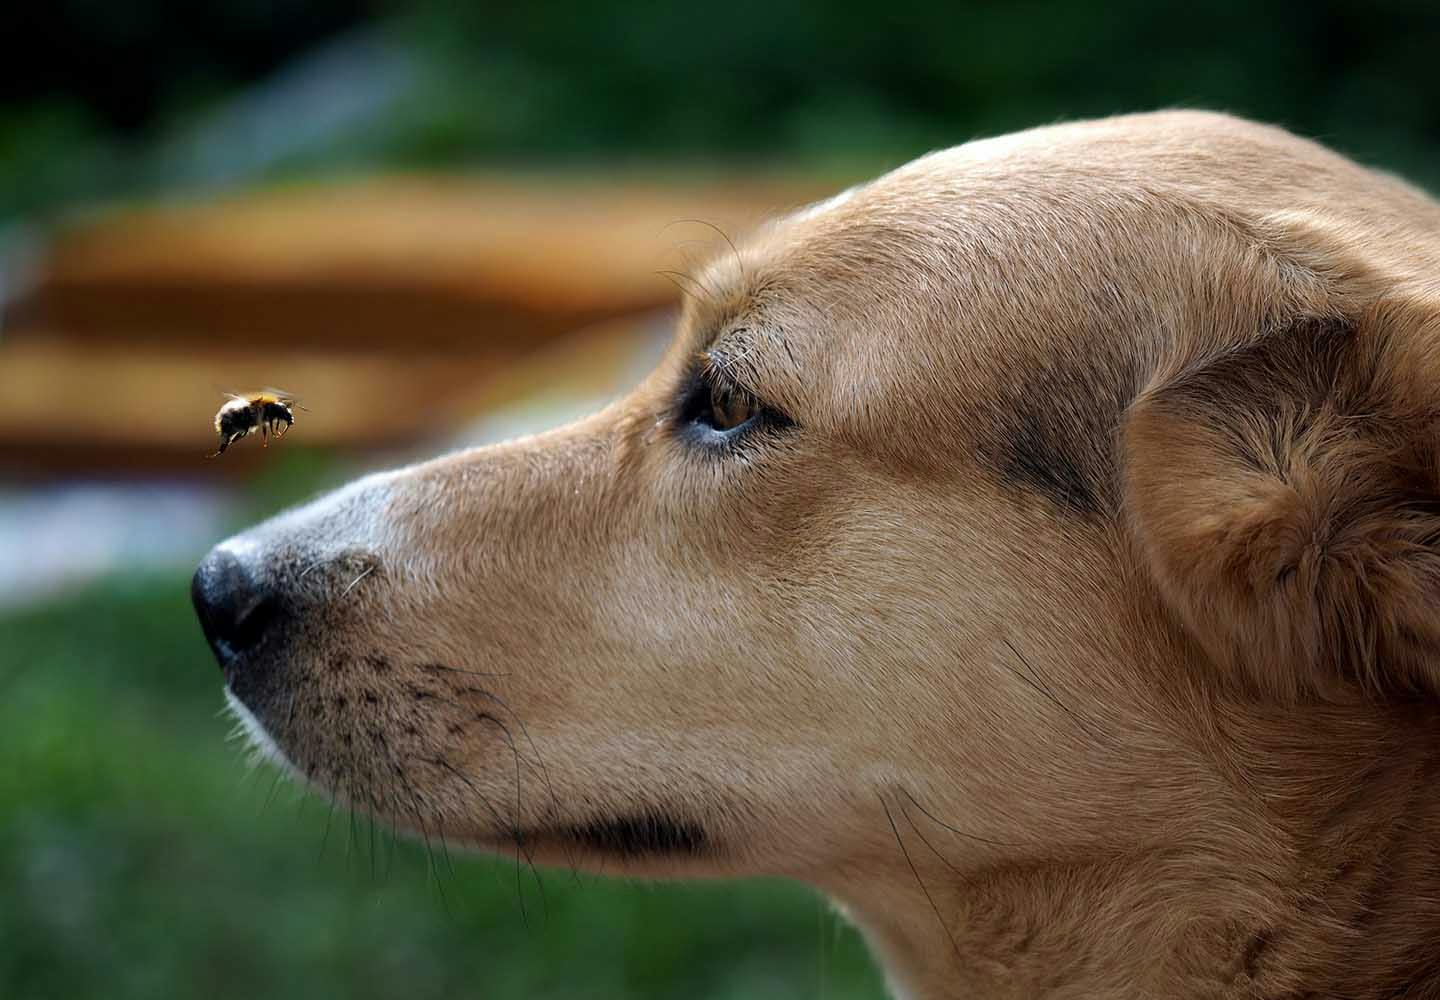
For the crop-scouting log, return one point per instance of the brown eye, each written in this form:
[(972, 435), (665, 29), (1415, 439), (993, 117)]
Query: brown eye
[(713, 412), (730, 409)]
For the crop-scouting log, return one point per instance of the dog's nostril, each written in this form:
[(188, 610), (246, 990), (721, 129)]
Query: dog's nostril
[(234, 607)]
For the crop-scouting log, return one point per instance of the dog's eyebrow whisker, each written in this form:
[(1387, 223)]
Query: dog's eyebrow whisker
[(695, 271), (916, 872), (739, 261), (675, 277), (1033, 677)]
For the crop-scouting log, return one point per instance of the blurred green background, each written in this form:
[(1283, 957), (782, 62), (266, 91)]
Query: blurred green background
[(139, 857), (105, 99)]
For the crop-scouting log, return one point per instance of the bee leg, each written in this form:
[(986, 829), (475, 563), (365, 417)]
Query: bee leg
[(264, 437)]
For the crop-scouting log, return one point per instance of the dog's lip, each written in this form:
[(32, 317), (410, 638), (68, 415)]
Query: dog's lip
[(249, 676), (646, 833), (258, 733), (235, 668), (228, 658)]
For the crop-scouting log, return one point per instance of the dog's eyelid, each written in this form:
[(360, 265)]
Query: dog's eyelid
[(723, 374), (733, 372), (758, 359)]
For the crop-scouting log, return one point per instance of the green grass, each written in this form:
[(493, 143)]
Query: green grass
[(140, 856)]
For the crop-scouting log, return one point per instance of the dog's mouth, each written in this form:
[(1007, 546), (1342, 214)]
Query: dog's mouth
[(648, 840), (635, 835), (639, 835)]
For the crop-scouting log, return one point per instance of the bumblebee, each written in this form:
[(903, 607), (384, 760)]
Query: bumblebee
[(271, 412)]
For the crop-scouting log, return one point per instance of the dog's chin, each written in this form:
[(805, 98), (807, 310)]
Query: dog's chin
[(252, 730)]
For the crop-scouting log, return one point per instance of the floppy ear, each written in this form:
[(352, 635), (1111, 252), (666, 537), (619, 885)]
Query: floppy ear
[(1286, 498)]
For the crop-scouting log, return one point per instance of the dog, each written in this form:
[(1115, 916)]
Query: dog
[(1036, 549)]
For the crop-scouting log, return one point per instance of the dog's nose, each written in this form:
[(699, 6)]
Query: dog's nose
[(235, 608)]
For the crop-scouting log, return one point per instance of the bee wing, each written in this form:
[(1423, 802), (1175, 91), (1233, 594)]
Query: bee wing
[(288, 398)]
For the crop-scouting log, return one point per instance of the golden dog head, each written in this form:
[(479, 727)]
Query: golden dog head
[(1014, 545)]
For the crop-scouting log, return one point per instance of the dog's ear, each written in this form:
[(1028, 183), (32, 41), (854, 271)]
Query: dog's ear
[(1286, 498)]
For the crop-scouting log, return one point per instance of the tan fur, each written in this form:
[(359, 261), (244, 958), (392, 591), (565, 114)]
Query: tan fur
[(1079, 639)]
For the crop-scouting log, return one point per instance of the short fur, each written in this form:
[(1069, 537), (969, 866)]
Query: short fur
[(1076, 630)]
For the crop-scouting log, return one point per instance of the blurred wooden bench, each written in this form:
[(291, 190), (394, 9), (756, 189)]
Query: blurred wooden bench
[(388, 306)]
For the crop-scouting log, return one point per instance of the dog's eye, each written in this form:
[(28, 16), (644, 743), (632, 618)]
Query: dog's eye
[(728, 409), (715, 411)]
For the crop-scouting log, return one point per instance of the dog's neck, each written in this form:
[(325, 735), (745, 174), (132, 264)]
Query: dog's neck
[(1319, 875)]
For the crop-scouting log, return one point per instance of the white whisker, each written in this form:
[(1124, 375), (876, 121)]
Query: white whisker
[(367, 572)]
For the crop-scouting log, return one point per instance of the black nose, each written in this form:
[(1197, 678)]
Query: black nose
[(234, 607)]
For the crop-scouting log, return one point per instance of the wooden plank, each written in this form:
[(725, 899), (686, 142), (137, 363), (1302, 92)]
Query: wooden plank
[(414, 263)]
